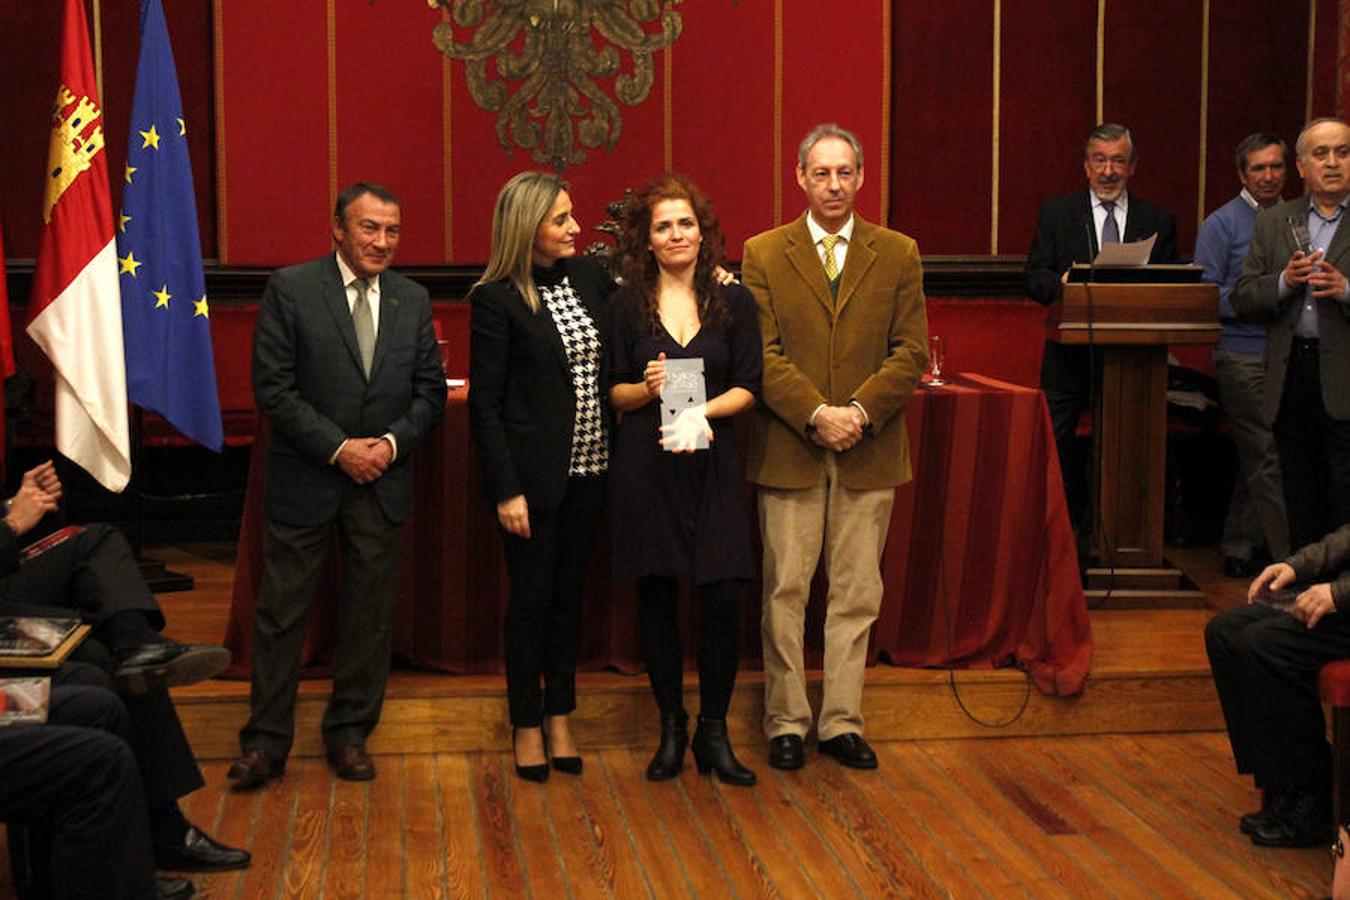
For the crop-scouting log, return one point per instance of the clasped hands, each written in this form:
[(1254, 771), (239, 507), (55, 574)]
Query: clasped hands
[(837, 428), (365, 459), (1313, 269), (1309, 606)]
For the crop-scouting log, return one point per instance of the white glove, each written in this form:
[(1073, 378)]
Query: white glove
[(682, 435)]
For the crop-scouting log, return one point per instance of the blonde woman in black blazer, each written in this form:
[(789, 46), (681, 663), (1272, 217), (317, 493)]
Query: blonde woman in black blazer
[(542, 432)]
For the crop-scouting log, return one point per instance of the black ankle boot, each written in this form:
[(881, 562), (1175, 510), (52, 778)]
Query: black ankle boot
[(669, 758), (712, 752)]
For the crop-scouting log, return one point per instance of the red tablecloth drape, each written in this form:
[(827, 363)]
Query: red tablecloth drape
[(980, 565)]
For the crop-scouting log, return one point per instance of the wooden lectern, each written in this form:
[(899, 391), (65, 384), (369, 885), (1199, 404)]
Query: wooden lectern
[(1133, 324)]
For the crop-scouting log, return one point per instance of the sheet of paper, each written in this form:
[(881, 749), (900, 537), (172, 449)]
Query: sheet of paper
[(1135, 253)]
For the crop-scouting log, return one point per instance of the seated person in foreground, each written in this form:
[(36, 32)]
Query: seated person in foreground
[(75, 778), (93, 575), (1266, 657)]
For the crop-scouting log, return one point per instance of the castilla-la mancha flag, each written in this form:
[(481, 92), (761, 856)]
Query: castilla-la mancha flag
[(75, 315)]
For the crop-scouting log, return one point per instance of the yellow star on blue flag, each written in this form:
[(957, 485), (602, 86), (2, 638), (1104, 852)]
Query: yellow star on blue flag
[(170, 368)]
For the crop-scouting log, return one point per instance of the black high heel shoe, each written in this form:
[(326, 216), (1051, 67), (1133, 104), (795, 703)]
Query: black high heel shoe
[(537, 773), (669, 758), (569, 764), (712, 753)]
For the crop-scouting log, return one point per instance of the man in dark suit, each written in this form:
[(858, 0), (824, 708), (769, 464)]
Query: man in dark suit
[(345, 368), (1266, 656), (1071, 229), (845, 333), (1294, 280)]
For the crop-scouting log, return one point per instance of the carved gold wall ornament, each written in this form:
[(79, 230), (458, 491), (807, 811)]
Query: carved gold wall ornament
[(538, 64)]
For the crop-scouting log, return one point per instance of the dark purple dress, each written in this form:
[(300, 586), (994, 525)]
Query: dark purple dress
[(682, 514)]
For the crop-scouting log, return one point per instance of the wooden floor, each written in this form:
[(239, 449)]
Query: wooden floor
[(1060, 803)]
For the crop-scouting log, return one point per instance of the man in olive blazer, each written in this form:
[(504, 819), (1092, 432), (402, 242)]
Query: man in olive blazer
[(845, 340), (345, 368), (1304, 297)]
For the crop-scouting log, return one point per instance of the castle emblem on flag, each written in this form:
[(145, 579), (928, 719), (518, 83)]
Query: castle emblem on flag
[(77, 136)]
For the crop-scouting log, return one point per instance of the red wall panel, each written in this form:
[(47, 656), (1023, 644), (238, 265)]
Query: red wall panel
[(832, 71), (272, 133), (1256, 83), (389, 120), (942, 124), (30, 35), (1151, 82), (1047, 106), (724, 47)]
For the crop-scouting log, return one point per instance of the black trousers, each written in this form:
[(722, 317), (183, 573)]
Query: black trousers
[(75, 779), (1066, 379), (1265, 664), (543, 615), (1314, 452), (293, 559), (718, 643), (93, 573)]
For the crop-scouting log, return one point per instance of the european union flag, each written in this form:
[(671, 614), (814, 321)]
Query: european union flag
[(165, 319)]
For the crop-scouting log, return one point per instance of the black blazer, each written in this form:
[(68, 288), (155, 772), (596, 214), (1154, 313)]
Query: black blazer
[(1065, 235), (522, 404), (309, 383)]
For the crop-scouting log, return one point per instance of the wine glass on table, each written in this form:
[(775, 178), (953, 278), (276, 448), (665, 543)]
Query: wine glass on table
[(936, 359)]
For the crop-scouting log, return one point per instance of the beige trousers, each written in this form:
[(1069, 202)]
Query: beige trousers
[(794, 524)]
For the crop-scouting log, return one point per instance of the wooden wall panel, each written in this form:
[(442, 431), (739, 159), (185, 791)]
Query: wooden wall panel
[(942, 124), (1048, 105)]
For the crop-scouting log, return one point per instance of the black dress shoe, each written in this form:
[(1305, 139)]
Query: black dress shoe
[(167, 664), (1272, 802), (851, 750), (787, 752), (254, 769), (572, 765), (199, 852), (538, 773), (352, 763), (1304, 820), (173, 888)]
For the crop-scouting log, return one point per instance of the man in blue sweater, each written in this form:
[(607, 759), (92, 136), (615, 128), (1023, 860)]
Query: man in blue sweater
[(1256, 516)]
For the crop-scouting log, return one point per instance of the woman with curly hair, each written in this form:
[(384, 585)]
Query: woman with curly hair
[(679, 512)]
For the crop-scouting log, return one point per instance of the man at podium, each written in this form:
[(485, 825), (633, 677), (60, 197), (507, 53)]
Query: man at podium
[(1070, 229)]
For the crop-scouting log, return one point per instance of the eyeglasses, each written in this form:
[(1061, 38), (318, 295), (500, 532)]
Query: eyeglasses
[(1099, 162)]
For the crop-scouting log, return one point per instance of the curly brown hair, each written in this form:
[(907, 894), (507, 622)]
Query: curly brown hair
[(637, 264)]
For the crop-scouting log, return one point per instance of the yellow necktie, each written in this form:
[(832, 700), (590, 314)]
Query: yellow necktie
[(831, 264)]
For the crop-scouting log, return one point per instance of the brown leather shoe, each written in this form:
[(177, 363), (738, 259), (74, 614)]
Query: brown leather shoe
[(254, 769), (352, 763)]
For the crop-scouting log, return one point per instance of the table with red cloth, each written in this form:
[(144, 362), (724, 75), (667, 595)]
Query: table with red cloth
[(980, 565)]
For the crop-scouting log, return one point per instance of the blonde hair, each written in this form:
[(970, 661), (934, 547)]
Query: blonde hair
[(522, 206)]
